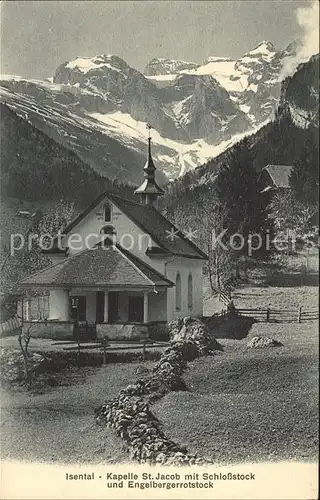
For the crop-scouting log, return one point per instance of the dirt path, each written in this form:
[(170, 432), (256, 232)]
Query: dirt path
[(59, 426)]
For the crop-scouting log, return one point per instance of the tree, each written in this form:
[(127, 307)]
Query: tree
[(30, 258), (246, 207), (36, 168), (290, 214), (304, 178), (25, 333), (24, 338), (204, 217)]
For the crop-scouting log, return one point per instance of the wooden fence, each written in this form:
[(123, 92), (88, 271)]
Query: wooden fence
[(106, 346), (269, 315), (225, 298), (10, 325)]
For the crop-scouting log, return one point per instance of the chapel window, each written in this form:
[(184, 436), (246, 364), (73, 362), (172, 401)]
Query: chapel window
[(178, 292), (107, 212), (190, 292)]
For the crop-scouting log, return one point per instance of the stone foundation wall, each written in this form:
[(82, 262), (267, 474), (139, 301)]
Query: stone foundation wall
[(55, 330), (63, 330), (158, 331), (122, 332)]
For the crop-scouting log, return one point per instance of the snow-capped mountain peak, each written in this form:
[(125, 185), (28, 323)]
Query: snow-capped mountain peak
[(195, 110), (86, 64), (264, 48), (260, 56), (73, 71)]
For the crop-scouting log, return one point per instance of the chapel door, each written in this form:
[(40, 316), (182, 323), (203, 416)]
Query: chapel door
[(99, 307), (78, 308), (113, 307), (135, 313)]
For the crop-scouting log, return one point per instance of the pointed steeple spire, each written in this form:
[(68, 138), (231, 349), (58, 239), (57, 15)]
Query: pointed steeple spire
[(149, 189)]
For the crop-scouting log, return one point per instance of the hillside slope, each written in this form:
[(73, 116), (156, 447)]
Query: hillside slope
[(36, 168), (36, 173)]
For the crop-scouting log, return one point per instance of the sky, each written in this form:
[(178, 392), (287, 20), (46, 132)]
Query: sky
[(38, 36)]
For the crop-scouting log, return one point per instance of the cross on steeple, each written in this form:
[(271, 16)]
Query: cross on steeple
[(149, 127)]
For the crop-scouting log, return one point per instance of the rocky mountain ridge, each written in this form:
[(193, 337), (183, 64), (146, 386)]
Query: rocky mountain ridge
[(99, 107), (252, 81), (294, 128)]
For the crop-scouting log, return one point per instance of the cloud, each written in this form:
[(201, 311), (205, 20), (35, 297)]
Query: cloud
[(308, 44)]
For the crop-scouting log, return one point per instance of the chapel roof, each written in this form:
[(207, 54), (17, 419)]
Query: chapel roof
[(150, 221), (99, 266)]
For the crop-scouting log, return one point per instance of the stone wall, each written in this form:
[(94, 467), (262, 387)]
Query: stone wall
[(57, 330), (130, 414), (63, 330), (158, 331), (122, 332)]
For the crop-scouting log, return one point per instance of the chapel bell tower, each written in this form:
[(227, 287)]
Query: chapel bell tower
[(149, 189)]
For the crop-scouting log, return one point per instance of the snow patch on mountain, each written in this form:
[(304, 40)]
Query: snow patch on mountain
[(300, 117), (264, 49), (162, 66), (232, 74), (245, 108), (187, 155), (224, 72), (162, 78), (46, 84), (86, 64)]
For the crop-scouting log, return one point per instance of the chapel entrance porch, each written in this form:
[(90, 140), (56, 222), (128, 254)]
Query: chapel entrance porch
[(90, 314), (110, 307)]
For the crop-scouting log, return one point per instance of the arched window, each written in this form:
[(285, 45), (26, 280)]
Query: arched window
[(108, 230), (110, 235), (107, 212), (178, 292), (190, 292)]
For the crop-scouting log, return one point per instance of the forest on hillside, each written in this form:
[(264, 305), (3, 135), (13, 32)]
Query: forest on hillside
[(36, 168), (39, 174), (280, 142), (224, 197)]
